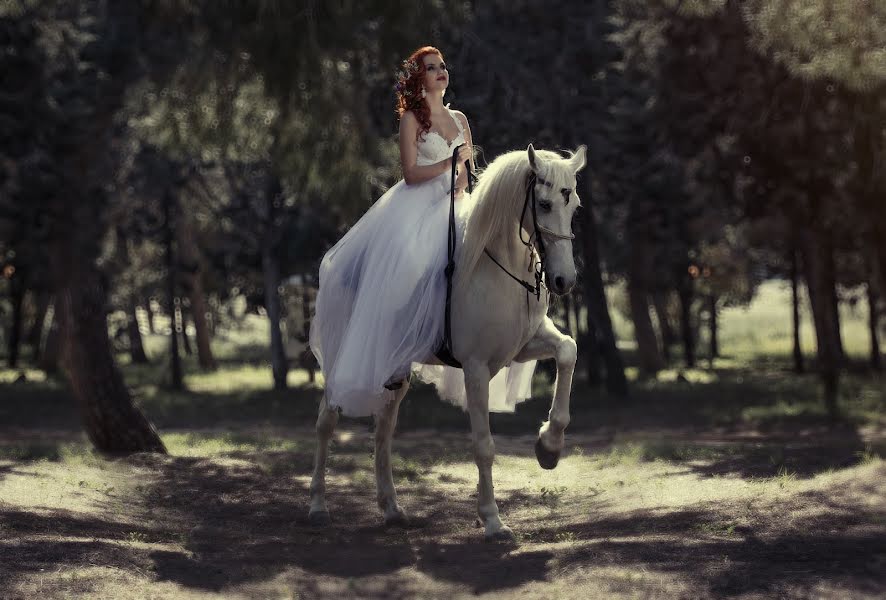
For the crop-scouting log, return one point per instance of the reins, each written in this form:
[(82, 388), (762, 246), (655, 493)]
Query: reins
[(444, 352)]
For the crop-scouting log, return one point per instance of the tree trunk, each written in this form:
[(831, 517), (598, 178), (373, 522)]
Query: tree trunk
[(795, 312), (874, 321), (199, 313), (639, 269), (588, 343), (685, 294), (176, 378), (712, 324), (211, 319), (879, 226), (35, 335), (112, 422), (650, 361), (181, 317), (15, 330), (869, 154), (818, 260), (150, 314), (84, 153), (271, 276), (597, 308), (668, 337), (189, 254), (136, 348), (49, 353)]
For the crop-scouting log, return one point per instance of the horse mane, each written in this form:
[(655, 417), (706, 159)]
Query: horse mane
[(501, 186)]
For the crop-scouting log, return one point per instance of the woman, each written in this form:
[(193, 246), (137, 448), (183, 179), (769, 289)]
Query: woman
[(380, 306)]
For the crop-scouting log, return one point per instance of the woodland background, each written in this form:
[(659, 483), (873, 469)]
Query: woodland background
[(172, 171)]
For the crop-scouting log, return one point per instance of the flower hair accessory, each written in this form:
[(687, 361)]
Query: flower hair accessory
[(409, 68)]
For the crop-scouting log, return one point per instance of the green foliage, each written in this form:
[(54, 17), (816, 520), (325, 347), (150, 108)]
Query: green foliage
[(839, 40)]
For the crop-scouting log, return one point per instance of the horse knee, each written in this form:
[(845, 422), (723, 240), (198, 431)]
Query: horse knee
[(567, 351), (484, 450)]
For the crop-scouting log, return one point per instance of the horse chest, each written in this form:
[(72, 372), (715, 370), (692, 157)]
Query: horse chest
[(497, 321)]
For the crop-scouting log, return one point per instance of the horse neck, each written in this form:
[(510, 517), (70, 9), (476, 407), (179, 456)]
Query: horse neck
[(506, 244)]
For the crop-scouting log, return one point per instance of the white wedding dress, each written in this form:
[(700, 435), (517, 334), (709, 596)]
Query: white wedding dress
[(380, 307)]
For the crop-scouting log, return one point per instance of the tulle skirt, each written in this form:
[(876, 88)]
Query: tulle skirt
[(380, 306)]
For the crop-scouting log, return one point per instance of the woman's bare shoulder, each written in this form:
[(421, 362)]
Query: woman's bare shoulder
[(458, 113), (461, 116), (408, 117)]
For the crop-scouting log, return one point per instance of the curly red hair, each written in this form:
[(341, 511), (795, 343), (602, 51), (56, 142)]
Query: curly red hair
[(409, 84)]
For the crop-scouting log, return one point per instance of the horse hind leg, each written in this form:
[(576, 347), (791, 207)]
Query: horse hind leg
[(385, 423), (326, 422)]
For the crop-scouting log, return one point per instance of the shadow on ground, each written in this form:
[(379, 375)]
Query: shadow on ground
[(213, 524)]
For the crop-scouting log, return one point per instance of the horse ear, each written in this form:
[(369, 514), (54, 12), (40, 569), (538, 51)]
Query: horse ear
[(532, 163), (579, 158)]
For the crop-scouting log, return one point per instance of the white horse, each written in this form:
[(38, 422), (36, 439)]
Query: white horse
[(494, 320)]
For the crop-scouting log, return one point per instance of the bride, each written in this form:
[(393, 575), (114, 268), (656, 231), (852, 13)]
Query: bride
[(381, 299)]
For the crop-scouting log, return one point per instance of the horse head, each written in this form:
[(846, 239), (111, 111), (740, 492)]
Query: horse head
[(554, 201)]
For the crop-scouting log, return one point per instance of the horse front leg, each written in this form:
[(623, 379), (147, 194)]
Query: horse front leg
[(385, 423), (549, 342), (477, 387), (326, 422)]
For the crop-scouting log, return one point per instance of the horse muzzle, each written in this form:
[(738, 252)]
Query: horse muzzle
[(560, 285)]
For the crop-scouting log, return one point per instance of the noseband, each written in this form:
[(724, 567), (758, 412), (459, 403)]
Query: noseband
[(539, 245)]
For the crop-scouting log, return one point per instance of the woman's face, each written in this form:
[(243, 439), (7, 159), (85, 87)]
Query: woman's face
[(436, 77)]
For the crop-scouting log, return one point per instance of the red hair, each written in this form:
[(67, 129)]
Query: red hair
[(409, 84)]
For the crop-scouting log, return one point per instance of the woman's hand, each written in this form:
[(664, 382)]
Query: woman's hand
[(464, 154), (461, 179)]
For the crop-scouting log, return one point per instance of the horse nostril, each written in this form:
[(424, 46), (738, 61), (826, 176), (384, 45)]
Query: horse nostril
[(559, 283)]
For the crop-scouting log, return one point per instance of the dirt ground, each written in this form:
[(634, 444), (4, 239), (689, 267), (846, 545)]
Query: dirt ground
[(650, 515)]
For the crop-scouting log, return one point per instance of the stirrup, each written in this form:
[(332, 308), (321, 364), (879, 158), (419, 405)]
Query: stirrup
[(394, 385), (396, 381)]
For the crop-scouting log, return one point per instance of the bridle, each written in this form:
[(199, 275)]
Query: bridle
[(539, 246)]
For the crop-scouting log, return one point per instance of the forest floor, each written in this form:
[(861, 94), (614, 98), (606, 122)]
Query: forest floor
[(730, 484)]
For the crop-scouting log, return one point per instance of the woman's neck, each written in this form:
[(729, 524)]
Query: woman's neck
[(435, 104)]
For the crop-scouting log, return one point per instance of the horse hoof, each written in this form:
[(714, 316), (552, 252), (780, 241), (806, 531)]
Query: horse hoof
[(502, 535), (319, 518), (546, 458)]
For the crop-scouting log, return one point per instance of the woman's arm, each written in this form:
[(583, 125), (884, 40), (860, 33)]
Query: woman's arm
[(462, 182), (412, 173)]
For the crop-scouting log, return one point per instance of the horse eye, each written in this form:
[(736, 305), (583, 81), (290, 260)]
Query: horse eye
[(546, 205)]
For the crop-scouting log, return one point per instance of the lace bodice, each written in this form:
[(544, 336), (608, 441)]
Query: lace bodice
[(432, 148)]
